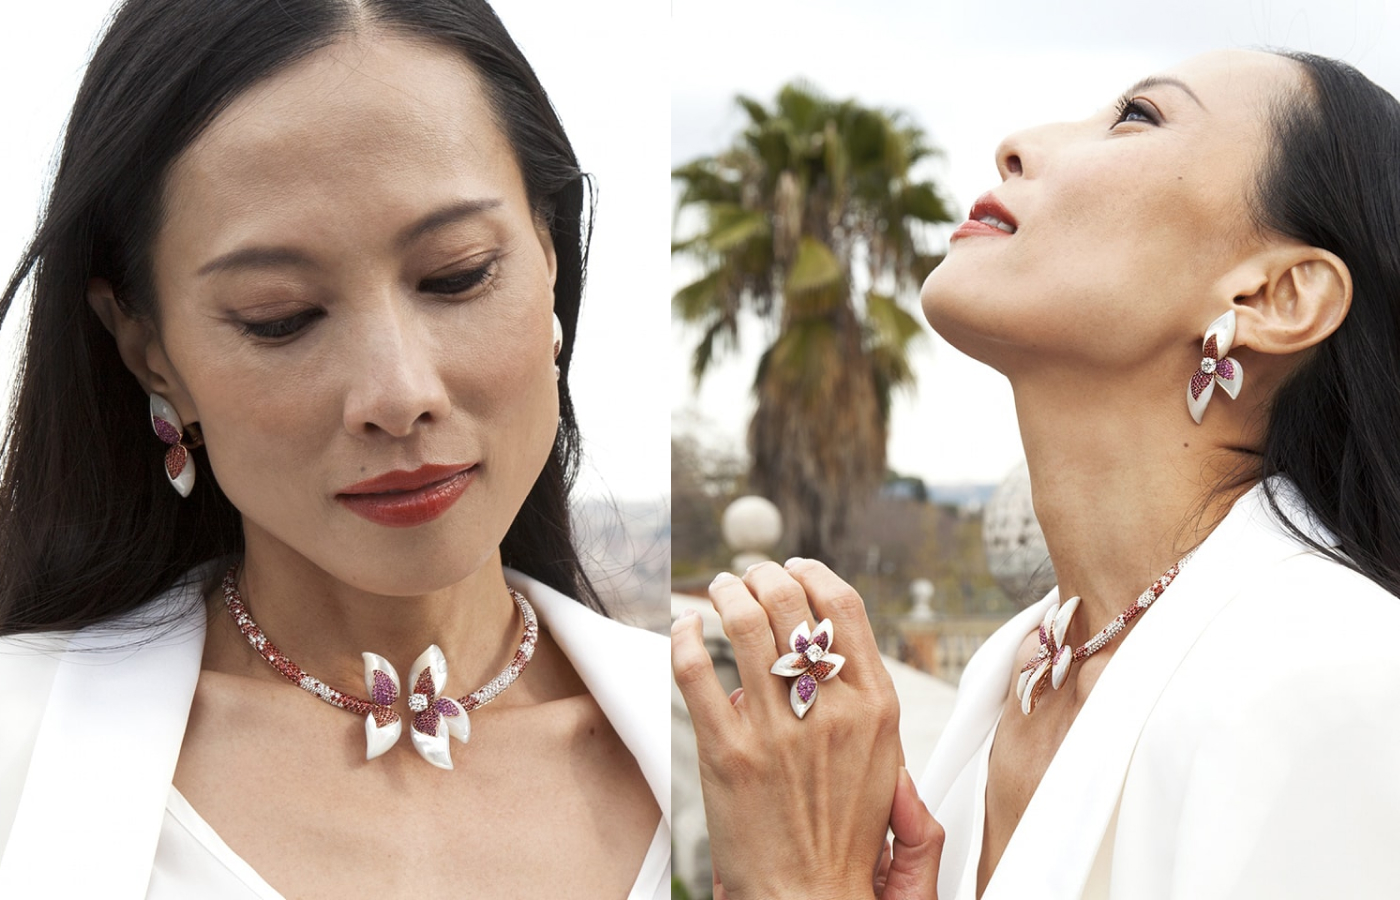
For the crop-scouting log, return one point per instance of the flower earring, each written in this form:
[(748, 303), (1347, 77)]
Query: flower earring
[(1215, 367), (179, 468), (558, 343)]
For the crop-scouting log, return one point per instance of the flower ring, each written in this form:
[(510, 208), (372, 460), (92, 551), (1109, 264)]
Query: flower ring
[(811, 661)]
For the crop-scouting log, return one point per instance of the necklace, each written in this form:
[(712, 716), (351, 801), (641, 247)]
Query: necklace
[(434, 717), (1055, 659)]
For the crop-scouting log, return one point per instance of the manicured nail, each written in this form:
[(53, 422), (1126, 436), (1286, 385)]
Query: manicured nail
[(792, 562), (723, 577)]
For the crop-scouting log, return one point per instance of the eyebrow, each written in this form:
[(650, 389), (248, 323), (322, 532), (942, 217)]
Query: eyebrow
[(288, 257), (1165, 81)]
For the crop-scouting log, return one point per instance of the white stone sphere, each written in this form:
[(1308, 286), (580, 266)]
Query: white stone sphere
[(751, 524)]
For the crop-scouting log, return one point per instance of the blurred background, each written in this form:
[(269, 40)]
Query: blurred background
[(587, 57), (821, 153)]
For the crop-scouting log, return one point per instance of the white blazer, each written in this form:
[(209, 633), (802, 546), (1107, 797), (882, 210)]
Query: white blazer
[(90, 731), (1243, 742)]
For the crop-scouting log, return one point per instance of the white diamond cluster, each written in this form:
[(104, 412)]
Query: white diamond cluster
[(491, 689)]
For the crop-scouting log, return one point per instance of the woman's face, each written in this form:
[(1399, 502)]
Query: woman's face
[(1129, 225), (351, 282)]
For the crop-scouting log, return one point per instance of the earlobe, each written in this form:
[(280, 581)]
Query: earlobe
[(1300, 306)]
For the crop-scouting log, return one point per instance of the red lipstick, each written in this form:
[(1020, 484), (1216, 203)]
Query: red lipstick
[(988, 217), (402, 499)]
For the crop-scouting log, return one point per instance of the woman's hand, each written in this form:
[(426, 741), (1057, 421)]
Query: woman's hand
[(801, 806)]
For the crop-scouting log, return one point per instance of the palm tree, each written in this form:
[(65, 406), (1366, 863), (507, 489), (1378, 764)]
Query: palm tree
[(812, 221)]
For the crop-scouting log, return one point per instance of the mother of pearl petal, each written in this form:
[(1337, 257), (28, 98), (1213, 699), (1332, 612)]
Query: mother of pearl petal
[(1022, 682), (1060, 671), (1036, 676), (432, 660), (458, 726), (379, 740), (433, 747), (1062, 618)]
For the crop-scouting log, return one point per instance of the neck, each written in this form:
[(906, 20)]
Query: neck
[(1122, 488), (323, 624)]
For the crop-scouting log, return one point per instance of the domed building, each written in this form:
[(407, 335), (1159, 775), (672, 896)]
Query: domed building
[(1016, 553)]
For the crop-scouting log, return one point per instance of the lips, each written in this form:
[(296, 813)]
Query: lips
[(988, 217), (402, 499)]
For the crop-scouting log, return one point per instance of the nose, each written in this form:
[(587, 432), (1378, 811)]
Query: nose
[(394, 385), (1009, 155)]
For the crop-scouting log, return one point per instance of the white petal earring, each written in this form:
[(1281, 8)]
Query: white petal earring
[(179, 468), (558, 343), (1215, 367)]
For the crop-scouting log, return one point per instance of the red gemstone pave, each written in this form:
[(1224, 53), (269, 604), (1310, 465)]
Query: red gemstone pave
[(175, 459)]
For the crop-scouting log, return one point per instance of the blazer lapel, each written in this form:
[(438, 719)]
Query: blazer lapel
[(616, 663), (1054, 845), (94, 798)]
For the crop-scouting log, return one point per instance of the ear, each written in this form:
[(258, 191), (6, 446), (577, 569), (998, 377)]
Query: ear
[(140, 347), (1302, 295)]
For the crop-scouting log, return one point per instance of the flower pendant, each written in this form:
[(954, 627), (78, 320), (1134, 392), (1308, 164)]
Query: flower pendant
[(435, 718)]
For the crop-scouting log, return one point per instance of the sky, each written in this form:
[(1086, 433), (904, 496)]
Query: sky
[(588, 57), (969, 73)]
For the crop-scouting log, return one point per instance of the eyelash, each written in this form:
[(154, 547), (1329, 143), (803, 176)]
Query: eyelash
[(1128, 105), (461, 283), (279, 329)]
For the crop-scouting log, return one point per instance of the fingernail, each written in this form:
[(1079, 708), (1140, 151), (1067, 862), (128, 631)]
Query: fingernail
[(752, 567), (688, 612), (792, 562), (724, 577)]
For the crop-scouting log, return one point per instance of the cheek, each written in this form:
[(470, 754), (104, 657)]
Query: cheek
[(281, 440), (1105, 254)]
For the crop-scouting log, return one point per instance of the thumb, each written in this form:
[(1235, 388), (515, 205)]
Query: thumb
[(918, 845)]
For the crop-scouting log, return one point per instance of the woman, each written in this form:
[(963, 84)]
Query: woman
[(1193, 720), (294, 407)]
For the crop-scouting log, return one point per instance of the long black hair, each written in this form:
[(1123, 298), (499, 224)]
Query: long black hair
[(1332, 182), (89, 526)]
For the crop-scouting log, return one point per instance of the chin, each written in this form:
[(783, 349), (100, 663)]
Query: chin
[(413, 575), (957, 315)]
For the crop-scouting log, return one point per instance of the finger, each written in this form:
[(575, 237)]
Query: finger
[(882, 869), (834, 599), (918, 845), (782, 598), (746, 625), (699, 685)]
